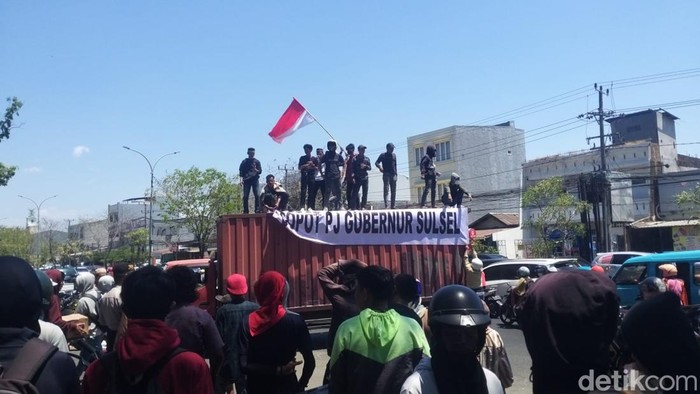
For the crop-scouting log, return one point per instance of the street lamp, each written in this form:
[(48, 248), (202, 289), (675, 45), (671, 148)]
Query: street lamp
[(150, 199), (38, 214)]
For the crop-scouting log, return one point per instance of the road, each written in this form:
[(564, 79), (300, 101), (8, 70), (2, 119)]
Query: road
[(512, 337)]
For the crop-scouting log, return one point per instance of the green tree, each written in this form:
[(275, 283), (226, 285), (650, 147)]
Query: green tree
[(555, 211), (689, 200), (137, 243), (15, 241), (196, 198), (6, 124)]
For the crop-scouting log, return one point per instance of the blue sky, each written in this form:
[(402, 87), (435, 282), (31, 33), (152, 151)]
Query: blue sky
[(210, 78)]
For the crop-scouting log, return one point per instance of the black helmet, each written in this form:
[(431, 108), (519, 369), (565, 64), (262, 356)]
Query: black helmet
[(46, 289), (457, 305)]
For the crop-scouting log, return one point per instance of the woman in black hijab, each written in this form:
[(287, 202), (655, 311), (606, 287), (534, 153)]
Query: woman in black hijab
[(568, 320), (662, 341)]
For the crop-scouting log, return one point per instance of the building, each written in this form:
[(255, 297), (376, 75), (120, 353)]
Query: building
[(503, 231), (93, 235), (487, 158), (643, 151)]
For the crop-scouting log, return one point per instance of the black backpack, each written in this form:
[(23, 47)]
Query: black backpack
[(147, 383), (24, 372)]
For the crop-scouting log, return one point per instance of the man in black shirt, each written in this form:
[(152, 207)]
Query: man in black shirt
[(387, 166), (332, 175), (249, 171), (274, 197), (319, 183), (360, 166), (308, 165), (429, 173)]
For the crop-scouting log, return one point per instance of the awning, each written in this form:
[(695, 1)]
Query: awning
[(662, 224), (480, 234)]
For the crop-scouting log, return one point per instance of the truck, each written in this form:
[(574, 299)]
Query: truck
[(427, 243)]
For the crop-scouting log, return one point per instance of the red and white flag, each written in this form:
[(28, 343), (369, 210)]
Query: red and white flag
[(294, 118)]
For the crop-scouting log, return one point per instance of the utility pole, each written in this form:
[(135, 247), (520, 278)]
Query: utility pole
[(286, 173), (601, 185)]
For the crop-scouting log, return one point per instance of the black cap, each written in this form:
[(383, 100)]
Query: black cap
[(251, 149), (350, 147), (361, 147)]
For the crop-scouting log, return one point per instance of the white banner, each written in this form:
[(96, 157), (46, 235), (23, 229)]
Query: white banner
[(447, 226)]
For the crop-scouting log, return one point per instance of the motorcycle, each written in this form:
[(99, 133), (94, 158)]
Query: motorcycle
[(68, 301), (494, 302), (509, 311)]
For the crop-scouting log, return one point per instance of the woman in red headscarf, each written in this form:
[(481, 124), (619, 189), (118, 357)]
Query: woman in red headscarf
[(270, 339)]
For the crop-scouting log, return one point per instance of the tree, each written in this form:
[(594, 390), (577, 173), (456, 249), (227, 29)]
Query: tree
[(196, 199), (557, 215), (7, 172), (689, 200), (137, 243), (15, 241)]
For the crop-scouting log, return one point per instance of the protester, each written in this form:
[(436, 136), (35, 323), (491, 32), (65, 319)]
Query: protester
[(54, 315), (319, 182), (375, 351), (89, 296), (99, 273), (349, 179), (662, 342), (20, 310), (569, 319), (360, 167), (249, 172), (105, 284), (405, 291), (195, 327), (270, 339), (229, 319), (673, 283), (386, 163), (524, 283), (110, 305), (332, 174), (651, 287), (458, 322), (148, 353), (274, 197), (308, 167), (457, 192), (494, 357), (49, 332), (473, 270), (429, 174)]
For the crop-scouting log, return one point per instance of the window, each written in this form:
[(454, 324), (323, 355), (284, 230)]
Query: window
[(442, 151), (502, 272), (631, 274), (419, 155), (696, 270)]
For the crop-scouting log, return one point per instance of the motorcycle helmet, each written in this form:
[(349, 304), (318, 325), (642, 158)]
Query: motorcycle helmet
[(46, 290), (523, 272), (457, 305), (652, 284)]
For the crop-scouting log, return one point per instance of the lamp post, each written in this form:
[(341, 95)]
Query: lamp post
[(150, 198), (38, 215)]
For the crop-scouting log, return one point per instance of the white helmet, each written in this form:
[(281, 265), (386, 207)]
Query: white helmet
[(523, 272), (477, 264)]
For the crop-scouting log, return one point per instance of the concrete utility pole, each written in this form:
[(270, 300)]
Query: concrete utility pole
[(602, 186), (286, 172)]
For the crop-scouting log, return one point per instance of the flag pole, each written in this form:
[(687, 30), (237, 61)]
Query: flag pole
[(324, 129)]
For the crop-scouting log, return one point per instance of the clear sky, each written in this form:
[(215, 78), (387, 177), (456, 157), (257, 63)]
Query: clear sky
[(210, 78)]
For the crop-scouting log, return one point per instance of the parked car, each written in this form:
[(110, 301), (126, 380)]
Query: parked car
[(505, 273), (490, 258), (639, 268), (69, 274), (616, 257), (82, 269)]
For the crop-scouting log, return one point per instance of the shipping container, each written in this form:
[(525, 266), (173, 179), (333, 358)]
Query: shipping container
[(250, 244)]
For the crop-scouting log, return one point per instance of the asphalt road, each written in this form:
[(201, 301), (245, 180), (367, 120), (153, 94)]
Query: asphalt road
[(512, 337)]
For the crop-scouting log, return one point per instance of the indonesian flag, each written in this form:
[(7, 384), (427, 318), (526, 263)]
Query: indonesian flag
[(294, 118)]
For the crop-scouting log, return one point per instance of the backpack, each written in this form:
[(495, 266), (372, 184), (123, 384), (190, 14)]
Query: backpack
[(24, 372), (147, 383)]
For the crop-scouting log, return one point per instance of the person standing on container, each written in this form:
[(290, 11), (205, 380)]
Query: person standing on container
[(360, 166), (249, 171), (319, 183), (308, 166), (332, 174), (429, 173), (386, 163), (349, 179)]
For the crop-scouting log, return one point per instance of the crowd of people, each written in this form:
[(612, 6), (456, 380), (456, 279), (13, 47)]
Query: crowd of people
[(382, 339), (331, 176)]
